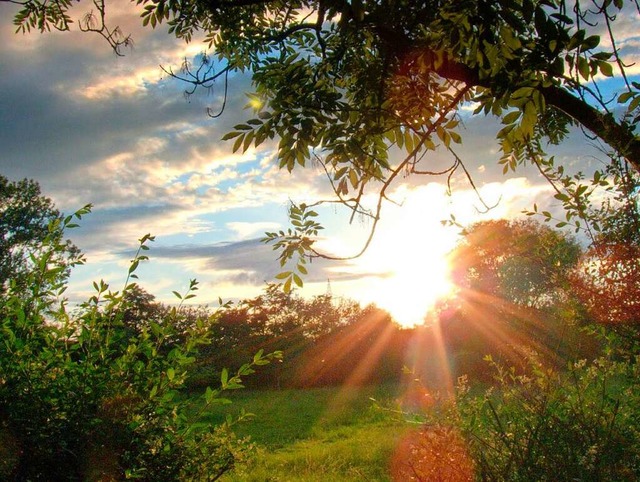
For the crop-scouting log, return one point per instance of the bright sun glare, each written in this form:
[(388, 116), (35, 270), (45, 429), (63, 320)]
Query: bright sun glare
[(409, 254), (413, 289)]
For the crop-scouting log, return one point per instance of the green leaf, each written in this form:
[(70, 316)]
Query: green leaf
[(583, 68), (511, 117), (287, 286), (231, 135), (625, 96), (237, 143), (353, 178), (455, 137), (606, 69)]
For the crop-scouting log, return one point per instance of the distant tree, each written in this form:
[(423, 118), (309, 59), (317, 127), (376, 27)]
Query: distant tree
[(370, 348), (27, 218), (321, 339), (514, 297), (522, 262), (141, 307), (324, 314)]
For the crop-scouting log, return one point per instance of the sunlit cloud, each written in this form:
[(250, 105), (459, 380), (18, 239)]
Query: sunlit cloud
[(246, 230)]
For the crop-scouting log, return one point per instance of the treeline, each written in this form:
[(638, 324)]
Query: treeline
[(324, 340), (520, 293)]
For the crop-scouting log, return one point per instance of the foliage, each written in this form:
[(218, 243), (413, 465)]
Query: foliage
[(581, 424), (320, 338), (608, 277), (608, 283), (84, 397), (513, 296), (350, 84), (522, 262), (433, 452), (26, 219)]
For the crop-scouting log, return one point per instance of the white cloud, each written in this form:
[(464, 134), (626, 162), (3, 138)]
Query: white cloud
[(246, 230)]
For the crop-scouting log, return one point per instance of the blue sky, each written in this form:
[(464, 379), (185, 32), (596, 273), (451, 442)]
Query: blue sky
[(91, 127)]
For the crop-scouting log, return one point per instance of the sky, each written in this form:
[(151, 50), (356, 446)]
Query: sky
[(116, 132)]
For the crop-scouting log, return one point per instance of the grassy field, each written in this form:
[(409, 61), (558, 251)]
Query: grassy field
[(322, 434)]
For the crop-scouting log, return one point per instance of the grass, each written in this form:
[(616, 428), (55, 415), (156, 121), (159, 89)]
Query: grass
[(320, 434)]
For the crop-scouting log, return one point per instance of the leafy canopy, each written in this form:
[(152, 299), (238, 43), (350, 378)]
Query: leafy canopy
[(523, 262), (348, 83)]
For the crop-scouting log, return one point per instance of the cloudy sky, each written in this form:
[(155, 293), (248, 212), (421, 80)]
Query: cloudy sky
[(91, 127)]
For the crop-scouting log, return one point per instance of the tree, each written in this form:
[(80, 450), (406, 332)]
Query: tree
[(307, 331), (607, 280), (514, 297), (346, 82), (522, 262), (27, 218)]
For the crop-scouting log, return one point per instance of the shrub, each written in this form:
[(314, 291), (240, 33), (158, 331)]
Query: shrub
[(84, 397), (581, 424)]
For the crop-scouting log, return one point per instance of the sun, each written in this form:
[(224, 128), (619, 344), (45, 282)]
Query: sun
[(407, 261), (405, 269), (412, 293), (413, 286)]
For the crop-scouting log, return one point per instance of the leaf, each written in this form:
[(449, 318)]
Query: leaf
[(606, 69), (237, 143), (287, 286), (625, 96), (522, 92), (455, 137), (231, 135), (583, 68), (353, 178), (511, 117), (408, 140), (591, 42), (247, 141)]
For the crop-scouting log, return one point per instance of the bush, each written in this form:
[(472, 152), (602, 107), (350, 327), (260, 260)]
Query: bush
[(581, 424), (84, 397)]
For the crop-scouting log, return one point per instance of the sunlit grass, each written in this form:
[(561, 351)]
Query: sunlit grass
[(345, 454), (335, 434)]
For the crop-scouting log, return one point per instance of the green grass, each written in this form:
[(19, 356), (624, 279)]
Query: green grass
[(321, 434)]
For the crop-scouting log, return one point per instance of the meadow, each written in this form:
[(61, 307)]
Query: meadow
[(334, 433)]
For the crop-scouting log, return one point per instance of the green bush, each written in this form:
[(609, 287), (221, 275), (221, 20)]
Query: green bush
[(580, 424), (85, 397)]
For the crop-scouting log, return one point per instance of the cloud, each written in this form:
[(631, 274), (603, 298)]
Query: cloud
[(246, 230), (249, 260)]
